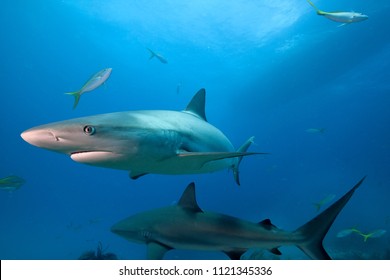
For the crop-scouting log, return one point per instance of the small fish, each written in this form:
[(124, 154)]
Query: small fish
[(325, 200), (343, 17), (11, 183), (158, 56), (315, 130), (94, 82), (348, 231), (374, 234)]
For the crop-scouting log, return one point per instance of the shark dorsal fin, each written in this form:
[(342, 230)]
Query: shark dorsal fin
[(197, 105), (188, 199), (267, 224)]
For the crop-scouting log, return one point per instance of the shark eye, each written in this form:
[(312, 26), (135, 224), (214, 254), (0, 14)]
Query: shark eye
[(89, 130)]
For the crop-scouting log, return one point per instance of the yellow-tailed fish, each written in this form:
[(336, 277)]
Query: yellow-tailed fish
[(323, 201), (343, 17), (373, 234), (94, 82), (348, 231), (11, 183)]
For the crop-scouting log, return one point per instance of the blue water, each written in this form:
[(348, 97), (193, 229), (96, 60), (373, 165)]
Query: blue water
[(272, 69)]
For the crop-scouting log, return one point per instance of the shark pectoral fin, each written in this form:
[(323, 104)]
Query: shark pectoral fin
[(203, 157), (235, 255), (198, 160), (156, 251), (136, 174)]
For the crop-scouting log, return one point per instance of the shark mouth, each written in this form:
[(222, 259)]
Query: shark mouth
[(93, 156)]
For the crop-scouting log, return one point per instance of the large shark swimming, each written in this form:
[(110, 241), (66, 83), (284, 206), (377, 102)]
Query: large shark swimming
[(186, 226), (142, 142)]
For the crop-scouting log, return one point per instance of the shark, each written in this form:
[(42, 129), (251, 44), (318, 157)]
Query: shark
[(144, 142), (158, 56), (186, 226), (343, 17)]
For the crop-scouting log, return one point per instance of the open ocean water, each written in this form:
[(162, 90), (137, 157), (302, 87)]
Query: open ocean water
[(315, 95)]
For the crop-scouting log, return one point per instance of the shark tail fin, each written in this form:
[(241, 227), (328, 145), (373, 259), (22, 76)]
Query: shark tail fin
[(319, 12), (244, 147), (76, 95), (313, 232)]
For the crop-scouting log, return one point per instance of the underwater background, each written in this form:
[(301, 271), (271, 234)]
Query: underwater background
[(315, 95)]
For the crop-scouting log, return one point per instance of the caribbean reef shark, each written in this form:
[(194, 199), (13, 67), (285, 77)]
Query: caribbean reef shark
[(186, 226), (142, 142)]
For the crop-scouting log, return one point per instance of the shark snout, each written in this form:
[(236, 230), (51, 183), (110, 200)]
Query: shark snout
[(118, 229), (38, 137)]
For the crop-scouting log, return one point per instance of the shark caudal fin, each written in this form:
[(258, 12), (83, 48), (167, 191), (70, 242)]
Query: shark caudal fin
[(313, 232), (319, 12), (244, 147), (76, 95)]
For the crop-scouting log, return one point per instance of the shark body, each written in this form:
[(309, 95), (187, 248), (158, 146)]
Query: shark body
[(186, 226), (142, 142)]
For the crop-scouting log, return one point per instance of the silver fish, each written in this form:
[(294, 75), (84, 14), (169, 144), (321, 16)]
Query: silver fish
[(94, 82)]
